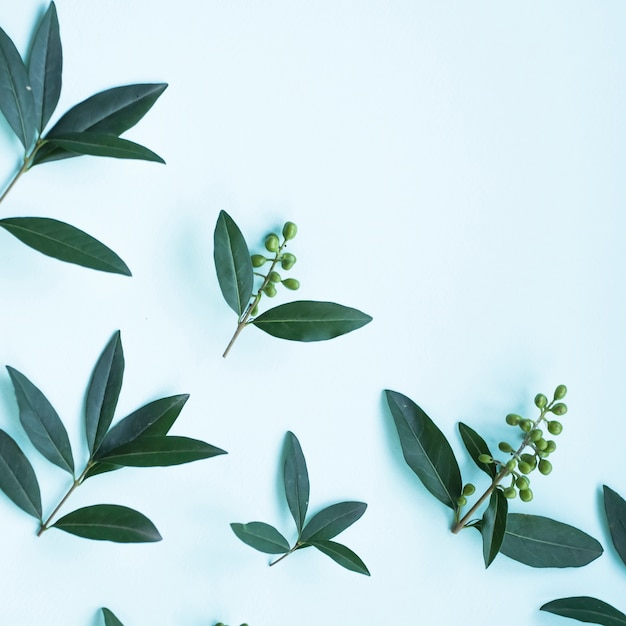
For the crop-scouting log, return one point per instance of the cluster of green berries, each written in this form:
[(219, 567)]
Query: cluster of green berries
[(468, 490)]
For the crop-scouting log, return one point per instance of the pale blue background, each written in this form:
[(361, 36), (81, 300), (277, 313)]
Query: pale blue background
[(456, 171)]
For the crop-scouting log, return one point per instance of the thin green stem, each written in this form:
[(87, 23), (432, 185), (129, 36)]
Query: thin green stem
[(14, 180), (280, 558)]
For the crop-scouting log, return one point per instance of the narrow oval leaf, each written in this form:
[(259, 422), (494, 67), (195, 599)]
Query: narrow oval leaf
[(306, 320), (426, 450), (64, 242), (493, 526), (342, 555), (261, 537), (476, 446), (296, 480), (109, 522), (615, 508), (586, 609), (331, 521), (543, 542), (109, 618), (41, 422), (103, 392), (17, 477), (45, 67), (232, 263)]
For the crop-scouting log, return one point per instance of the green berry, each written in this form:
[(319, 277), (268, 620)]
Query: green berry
[(522, 482), (272, 243), (528, 458), (526, 425), (469, 489), (525, 468), (258, 260), (559, 408), (289, 230), (461, 501), (287, 261), (551, 447), (291, 283), (505, 447), (255, 310), (509, 493), (526, 495), (512, 419), (511, 465), (274, 277), (540, 401), (485, 458), (270, 290), (536, 434), (545, 467), (555, 428), (541, 445), (559, 392)]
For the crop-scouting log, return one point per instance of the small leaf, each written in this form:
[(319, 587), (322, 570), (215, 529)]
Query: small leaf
[(17, 477), (331, 521), (110, 619), (586, 609), (493, 526), (261, 537), (41, 422), (109, 522), (476, 446), (615, 508), (342, 555), (64, 242), (296, 480), (232, 263), (426, 450), (543, 542)]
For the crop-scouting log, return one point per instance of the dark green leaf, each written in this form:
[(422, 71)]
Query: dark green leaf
[(45, 67), (64, 242), (426, 450), (331, 521), (586, 609), (342, 555), (101, 468), (16, 97), (476, 446), (262, 537), (306, 320), (296, 480), (615, 508), (17, 477), (543, 542), (109, 522), (103, 392), (41, 422), (232, 263), (110, 619), (494, 525)]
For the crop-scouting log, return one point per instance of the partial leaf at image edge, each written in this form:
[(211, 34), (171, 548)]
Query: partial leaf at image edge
[(331, 521), (586, 609), (475, 446), (296, 480), (425, 449), (109, 618), (342, 555), (261, 537), (615, 509), (493, 526)]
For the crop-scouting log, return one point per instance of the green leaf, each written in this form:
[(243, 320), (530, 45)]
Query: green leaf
[(100, 468), (110, 619), (95, 144), (615, 508), (45, 67), (64, 242), (543, 542), (493, 526), (476, 446), (296, 480), (426, 450), (331, 521), (103, 392), (17, 477), (232, 263), (160, 451), (342, 555), (16, 97), (41, 422), (261, 537), (109, 522), (586, 609), (306, 320)]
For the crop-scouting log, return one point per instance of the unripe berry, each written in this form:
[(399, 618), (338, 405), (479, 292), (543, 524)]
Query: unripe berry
[(536, 434), (555, 428), (522, 482), (505, 447), (529, 458), (461, 501), (258, 260), (512, 419), (287, 261), (485, 458), (559, 408), (289, 230), (540, 401), (255, 310), (559, 392), (525, 495), (526, 425), (510, 493), (272, 243), (469, 489), (551, 447), (525, 468), (291, 283), (274, 277), (541, 444), (270, 290), (545, 467), (511, 465)]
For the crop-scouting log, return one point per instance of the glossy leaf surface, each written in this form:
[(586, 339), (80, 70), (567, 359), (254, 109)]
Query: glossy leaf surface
[(586, 609), (262, 537), (110, 619), (17, 477), (296, 480), (232, 263), (64, 242), (615, 508), (95, 144), (41, 422), (109, 522), (476, 446), (331, 521), (426, 450), (306, 320), (342, 555), (494, 525)]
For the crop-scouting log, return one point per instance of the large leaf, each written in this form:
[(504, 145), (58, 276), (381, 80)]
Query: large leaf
[(262, 537), (342, 555), (17, 477), (615, 508), (45, 67), (476, 446), (296, 480), (64, 242), (331, 521), (586, 609), (306, 320), (494, 525), (41, 422), (16, 97), (543, 542), (103, 392), (426, 450), (232, 263), (109, 522), (109, 618)]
